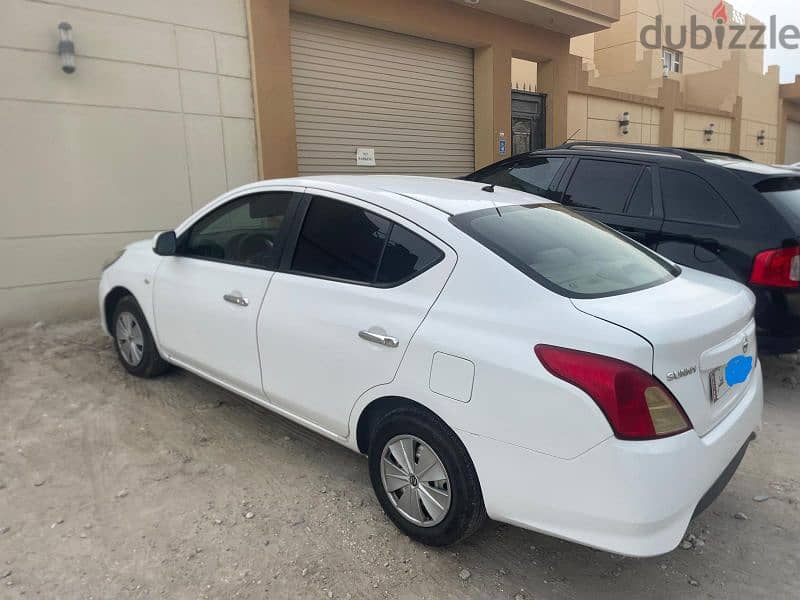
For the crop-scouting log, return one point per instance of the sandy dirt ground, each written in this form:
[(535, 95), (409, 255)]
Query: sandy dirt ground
[(114, 487)]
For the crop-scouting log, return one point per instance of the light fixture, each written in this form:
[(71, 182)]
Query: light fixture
[(709, 132), (66, 47), (471, 2), (761, 137), (624, 121)]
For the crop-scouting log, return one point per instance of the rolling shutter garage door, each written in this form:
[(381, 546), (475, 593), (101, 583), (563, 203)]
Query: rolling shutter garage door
[(409, 98)]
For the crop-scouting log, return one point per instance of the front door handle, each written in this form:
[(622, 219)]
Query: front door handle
[(377, 338), (236, 298)]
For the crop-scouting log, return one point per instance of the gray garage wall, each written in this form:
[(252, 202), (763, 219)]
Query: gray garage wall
[(156, 121)]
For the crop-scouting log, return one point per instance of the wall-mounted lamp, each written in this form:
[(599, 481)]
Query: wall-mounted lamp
[(761, 137), (624, 121), (709, 132), (66, 48)]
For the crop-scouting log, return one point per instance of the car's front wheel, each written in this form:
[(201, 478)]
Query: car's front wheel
[(424, 478), (134, 342)]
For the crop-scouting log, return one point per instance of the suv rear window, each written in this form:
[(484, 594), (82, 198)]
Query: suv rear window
[(566, 253), (784, 194)]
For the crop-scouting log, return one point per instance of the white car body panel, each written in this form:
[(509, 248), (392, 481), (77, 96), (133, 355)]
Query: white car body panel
[(295, 350)]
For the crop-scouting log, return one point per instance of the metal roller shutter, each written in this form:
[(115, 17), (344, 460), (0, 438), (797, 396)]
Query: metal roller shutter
[(409, 98)]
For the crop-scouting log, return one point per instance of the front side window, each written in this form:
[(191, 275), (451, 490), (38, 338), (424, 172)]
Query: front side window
[(568, 254), (533, 175), (691, 199), (243, 231), (602, 185)]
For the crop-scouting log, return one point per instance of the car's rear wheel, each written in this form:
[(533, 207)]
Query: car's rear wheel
[(134, 342), (424, 478)]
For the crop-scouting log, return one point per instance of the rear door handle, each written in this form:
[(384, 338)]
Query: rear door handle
[(236, 298), (377, 338)]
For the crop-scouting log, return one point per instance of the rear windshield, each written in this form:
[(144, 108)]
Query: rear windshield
[(565, 252), (784, 194)]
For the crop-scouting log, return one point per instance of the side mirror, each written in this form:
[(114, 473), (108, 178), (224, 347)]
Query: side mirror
[(166, 244)]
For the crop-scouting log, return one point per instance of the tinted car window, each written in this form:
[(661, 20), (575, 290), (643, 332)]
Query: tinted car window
[(569, 254), (641, 202), (688, 197), (244, 231), (601, 185), (784, 194), (406, 255), (340, 241), (533, 175)]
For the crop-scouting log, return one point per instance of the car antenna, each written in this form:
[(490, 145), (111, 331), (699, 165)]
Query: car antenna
[(490, 188), (574, 133)]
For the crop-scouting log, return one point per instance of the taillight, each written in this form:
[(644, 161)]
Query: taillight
[(636, 404), (777, 268)]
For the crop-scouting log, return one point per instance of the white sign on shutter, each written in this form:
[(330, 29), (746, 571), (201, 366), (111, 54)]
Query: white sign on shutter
[(365, 157)]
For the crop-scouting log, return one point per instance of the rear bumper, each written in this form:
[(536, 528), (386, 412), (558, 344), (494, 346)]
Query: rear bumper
[(778, 320), (631, 498)]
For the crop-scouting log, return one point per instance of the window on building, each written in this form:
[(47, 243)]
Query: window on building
[(673, 60)]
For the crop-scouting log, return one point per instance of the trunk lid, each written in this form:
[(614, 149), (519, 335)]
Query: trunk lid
[(696, 324)]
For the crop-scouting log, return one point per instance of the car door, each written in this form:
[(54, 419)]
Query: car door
[(697, 223), (617, 193), (207, 297), (338, 318)]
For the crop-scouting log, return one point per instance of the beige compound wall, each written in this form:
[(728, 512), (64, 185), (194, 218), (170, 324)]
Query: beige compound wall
[(596, 118), (156, 121)]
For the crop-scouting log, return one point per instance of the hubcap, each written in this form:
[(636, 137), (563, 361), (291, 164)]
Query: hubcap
[(415, 480), (130, 339)]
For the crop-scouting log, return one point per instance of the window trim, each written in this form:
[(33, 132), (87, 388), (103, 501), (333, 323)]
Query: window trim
[(293, 238), (667, 219), (676, 59), (279, 246)]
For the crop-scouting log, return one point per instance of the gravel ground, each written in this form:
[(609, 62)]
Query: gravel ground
[(114, 487)]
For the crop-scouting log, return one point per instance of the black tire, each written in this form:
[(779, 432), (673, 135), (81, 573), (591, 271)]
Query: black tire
[(466, 513), (150, 364)]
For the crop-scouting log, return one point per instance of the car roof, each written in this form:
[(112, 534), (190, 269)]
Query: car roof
[(450, 196)]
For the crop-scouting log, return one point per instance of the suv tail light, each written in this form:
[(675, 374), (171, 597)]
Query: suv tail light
[(777, 268), (636, 404)]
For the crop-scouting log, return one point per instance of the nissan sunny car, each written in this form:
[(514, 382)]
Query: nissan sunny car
[(492, 353)]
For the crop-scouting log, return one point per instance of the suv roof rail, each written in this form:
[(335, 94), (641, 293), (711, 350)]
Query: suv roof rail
[(638, 148), (720, 153)]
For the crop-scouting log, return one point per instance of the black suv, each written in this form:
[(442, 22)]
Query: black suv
[(714, 212)]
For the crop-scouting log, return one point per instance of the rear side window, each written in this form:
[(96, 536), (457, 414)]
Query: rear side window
[(406, 256), (533, 175), (566, 253), (342, 241), (690, 198), (601, 185)]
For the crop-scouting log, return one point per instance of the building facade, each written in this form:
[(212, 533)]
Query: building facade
[(675, 92), (172, 103)]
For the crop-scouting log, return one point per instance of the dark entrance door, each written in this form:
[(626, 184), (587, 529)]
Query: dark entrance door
[(527, 121)]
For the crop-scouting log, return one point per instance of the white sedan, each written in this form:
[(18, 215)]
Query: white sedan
[(493, 353)]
